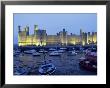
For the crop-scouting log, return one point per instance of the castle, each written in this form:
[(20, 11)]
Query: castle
[(41, 38)]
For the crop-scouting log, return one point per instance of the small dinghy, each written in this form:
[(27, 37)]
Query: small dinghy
[(47, 69), (21, 71), (72, 53), (82, 58), (16, 54)]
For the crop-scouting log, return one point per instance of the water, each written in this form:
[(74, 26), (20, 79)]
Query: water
[(65, 65)]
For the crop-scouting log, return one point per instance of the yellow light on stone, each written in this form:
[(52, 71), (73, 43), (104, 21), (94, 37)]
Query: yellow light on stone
[(44, 43), (73, 42), (83, 43), (24, 39)]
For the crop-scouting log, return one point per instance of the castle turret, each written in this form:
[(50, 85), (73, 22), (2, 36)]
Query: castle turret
[(35, 27), (19, 28), (92, 37), (63, 29), (19, 38), (81, 36), (27, 30), (80, 31)]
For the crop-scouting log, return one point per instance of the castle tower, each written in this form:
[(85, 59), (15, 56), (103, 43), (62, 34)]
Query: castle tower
[(64, 36), (27, 30), (19, 28), (19, 32), (80, 31), (92, 37), (88, 37), (81, 36), (35, 29)]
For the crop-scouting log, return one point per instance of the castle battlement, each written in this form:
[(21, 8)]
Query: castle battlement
[(41, 38)]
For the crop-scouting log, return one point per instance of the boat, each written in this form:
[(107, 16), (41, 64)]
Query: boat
[(29, 51), (77, 51), (61, 51), (82, 58), (88, 65), (21, 71), (72, 53), (63, 48), (84, 51), (55, 53), (36, 54), (47, 69), (89, 62), (41, 51), (16, 53), (52, 49)]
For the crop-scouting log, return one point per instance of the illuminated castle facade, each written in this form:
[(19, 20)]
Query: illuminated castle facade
[(40, 37)]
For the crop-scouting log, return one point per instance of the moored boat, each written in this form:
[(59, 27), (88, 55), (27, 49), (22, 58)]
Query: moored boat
[(52, 49), (55, 53), (29, 51), (36, 54), (47, 69), (89, 62), (72, 53)]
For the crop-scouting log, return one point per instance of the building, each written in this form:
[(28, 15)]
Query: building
[(41, 38)]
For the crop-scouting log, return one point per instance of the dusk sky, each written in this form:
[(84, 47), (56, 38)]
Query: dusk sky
[(53, 23)]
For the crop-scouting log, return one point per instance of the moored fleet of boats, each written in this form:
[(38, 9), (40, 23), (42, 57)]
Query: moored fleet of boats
[(88, 62)]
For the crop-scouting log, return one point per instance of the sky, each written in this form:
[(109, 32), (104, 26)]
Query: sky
[(55, 22)]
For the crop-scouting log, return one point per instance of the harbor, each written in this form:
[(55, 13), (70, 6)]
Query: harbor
[(65, 63)]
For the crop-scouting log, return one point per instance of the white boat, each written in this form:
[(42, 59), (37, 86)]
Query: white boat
[(55, 54), (84, 51), (93, 53), (16, 54), (82, 58), (47, 69), (17, 51), (77, 51), (63, 48), (61, 51), (29, 51), (94, 66), (41, 51), (52, 49), (72, 53), (36, 54)]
